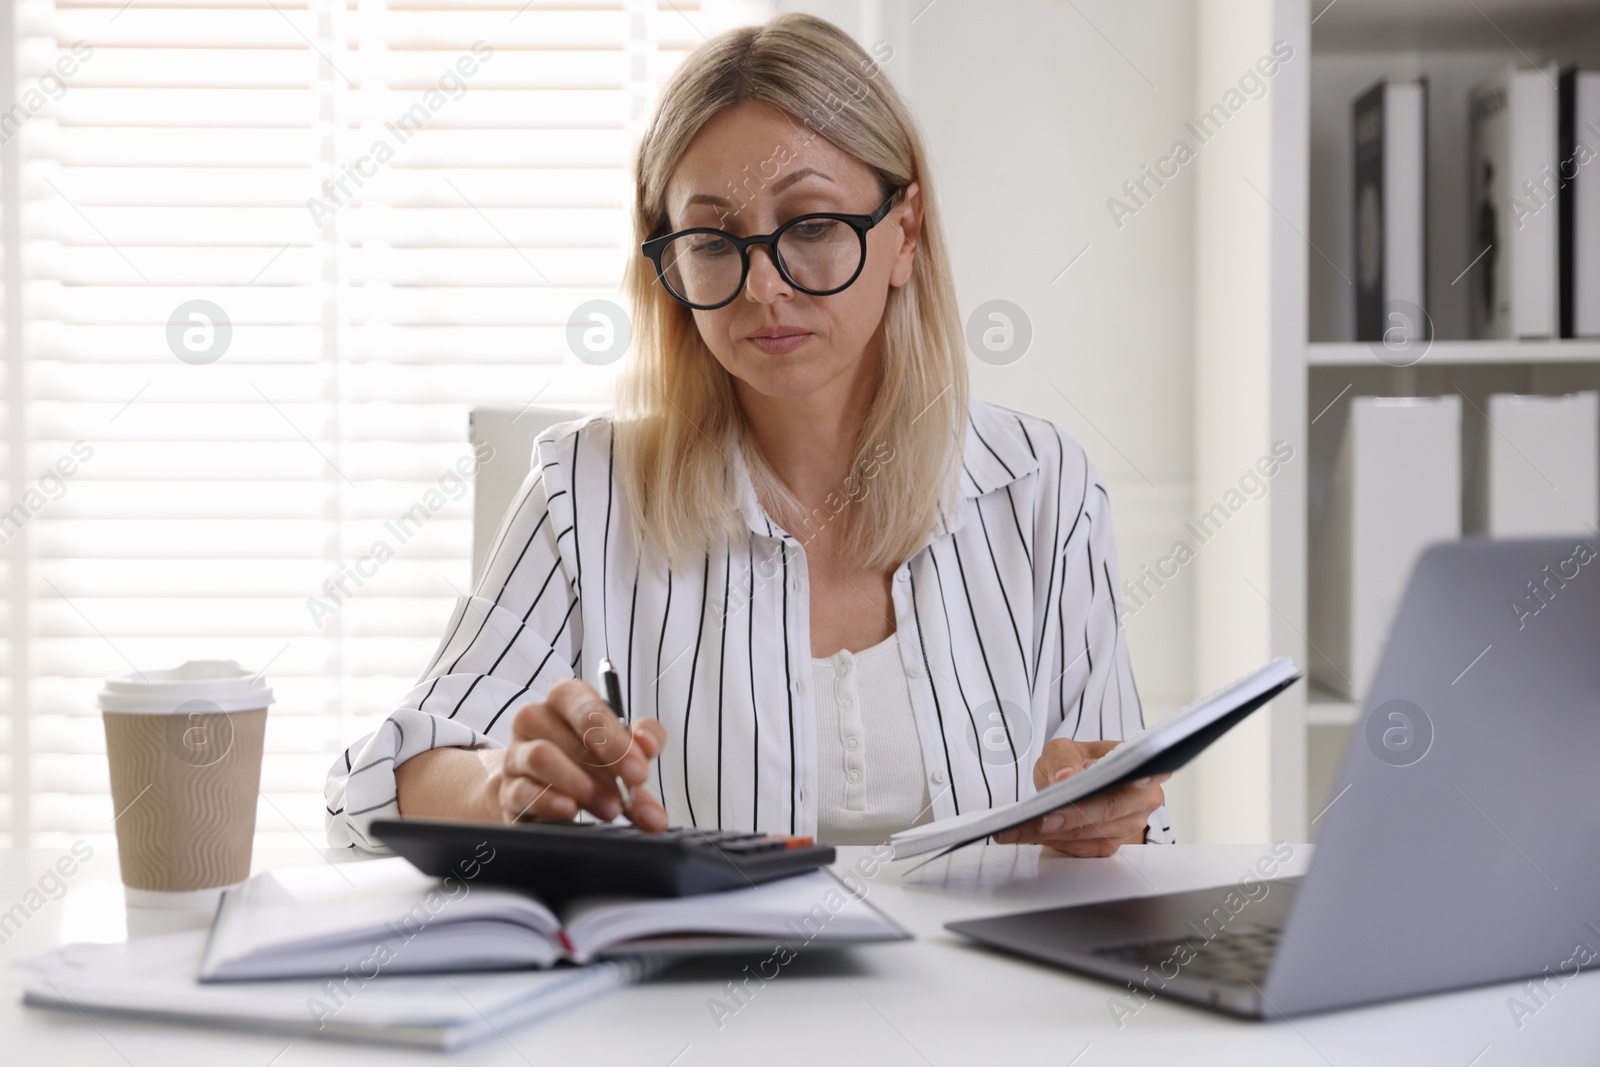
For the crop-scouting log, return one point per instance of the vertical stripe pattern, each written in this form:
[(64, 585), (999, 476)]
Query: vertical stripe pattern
[(1006, 622)]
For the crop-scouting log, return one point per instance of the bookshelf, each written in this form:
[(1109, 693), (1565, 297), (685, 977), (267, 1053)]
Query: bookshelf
[(1324, 708), (1276, 357), (1457, 353)]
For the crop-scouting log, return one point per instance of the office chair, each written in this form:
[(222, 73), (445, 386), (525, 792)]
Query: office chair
[(509, 432)]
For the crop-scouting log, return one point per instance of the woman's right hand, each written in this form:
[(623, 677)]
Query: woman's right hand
[(566, 753)]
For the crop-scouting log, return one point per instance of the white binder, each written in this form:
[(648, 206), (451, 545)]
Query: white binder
[(1536, 471), (1396, 489)]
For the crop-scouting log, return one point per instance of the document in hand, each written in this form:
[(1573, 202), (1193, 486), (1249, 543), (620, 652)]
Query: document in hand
[(1157, 749), (384, 916)]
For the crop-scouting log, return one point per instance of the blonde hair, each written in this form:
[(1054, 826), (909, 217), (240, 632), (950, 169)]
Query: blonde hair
[(678, 417)]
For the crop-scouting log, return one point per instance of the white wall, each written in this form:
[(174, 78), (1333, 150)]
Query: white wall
[(1250, 394), (1035, 113)]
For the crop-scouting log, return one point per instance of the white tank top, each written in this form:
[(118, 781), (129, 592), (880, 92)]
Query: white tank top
[(870, 777)]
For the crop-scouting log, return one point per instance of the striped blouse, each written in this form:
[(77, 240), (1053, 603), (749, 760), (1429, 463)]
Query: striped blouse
[(1006, 623)]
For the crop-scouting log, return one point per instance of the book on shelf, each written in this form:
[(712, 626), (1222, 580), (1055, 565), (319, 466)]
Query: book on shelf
[(1579, 199), (1395, 489), (1515, 205), (1390, 124), (1534, 466)]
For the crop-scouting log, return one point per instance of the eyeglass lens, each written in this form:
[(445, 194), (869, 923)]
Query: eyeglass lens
[(819, 255)]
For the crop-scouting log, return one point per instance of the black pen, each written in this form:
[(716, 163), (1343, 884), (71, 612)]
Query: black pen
[(608, 677)]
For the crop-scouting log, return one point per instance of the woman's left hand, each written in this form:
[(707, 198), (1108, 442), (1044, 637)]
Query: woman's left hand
[(1097, 826)]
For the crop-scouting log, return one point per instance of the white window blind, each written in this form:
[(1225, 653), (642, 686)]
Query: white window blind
[(435, 272)]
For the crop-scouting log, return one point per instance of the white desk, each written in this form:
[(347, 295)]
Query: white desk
[(935, 1000)]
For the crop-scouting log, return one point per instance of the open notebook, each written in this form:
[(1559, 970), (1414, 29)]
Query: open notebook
[(1159, 748), (383, 916)]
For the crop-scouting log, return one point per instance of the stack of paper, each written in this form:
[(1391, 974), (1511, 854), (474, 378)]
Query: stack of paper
[(381, 952), (154, 978)]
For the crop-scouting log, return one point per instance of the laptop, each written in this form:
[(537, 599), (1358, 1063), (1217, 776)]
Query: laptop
[(1462, 843)]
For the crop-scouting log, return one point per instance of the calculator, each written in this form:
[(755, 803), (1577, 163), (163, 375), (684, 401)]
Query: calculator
[(561, 861)]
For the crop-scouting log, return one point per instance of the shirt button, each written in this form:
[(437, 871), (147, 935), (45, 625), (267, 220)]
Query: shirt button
[(939, 778), (903, 576), (913, 671), (854, 776), (847, 703), (851, 743), (844, 666)]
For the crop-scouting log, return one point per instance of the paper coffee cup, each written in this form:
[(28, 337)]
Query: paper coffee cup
[(184, 747)]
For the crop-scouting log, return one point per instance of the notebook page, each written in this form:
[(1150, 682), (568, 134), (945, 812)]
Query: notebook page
[(815, 905), (317, 920)]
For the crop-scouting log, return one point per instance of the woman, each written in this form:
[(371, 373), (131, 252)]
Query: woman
[(842, 599)]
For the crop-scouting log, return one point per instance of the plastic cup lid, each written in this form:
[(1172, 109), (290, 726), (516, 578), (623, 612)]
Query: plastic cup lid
[(221, 683)]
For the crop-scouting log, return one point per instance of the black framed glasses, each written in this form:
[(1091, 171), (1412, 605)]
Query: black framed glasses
[(819, 253)]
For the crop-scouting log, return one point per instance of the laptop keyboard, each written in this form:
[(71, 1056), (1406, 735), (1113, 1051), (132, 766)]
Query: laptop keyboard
[(1237, 956)]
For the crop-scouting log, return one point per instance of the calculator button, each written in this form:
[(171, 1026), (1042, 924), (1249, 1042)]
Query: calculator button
[(792, 842), (565, 861)]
